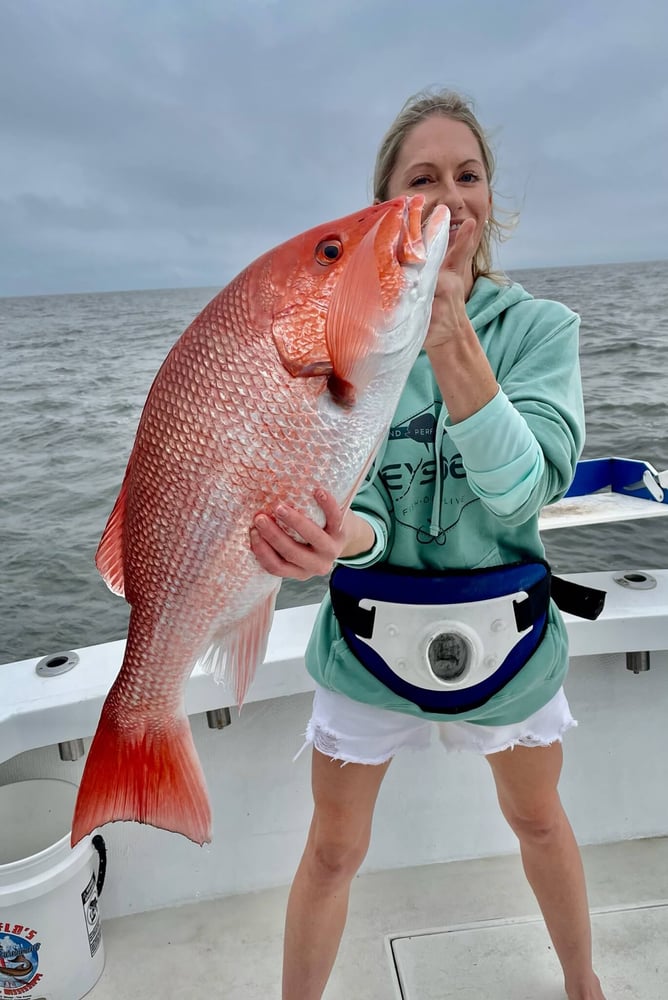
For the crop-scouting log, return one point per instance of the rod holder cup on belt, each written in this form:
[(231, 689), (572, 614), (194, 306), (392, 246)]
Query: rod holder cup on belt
[(450, 655)]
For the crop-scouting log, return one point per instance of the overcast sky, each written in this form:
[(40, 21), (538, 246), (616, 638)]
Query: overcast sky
[(166, 143)]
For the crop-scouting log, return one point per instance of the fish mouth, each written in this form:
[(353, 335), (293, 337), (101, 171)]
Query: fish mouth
[(437, 221), (419, 250), (416, 237)]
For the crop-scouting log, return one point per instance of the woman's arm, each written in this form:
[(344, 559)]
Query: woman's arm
[(460, 365), (519, 446)]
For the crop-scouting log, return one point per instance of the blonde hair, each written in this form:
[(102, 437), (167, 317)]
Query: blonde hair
[(451, 105)]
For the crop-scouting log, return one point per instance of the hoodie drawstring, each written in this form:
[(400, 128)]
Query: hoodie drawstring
[(435, 523)]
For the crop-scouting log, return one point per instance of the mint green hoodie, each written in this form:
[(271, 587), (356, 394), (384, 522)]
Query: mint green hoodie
[(478, 505)]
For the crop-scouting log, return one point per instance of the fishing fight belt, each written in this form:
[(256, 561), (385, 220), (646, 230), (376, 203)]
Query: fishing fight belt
[(449, 642)]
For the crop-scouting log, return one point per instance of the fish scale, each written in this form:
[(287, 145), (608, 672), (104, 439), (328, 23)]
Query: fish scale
[(239, 417)]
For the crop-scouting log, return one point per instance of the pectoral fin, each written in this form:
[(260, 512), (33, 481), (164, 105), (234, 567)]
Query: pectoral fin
[(354, 319)]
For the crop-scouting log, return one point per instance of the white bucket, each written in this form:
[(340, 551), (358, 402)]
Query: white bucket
[(50, 934)]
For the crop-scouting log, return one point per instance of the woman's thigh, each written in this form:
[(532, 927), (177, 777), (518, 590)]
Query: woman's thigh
[(526, 782), (344, 799)]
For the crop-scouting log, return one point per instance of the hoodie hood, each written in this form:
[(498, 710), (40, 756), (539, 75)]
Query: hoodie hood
[(489, 299)]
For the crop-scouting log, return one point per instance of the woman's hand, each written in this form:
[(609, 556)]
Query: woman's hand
[(455, 280), (282, 555), (458, 361)]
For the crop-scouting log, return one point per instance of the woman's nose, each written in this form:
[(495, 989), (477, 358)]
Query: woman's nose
[(450, 195), (445, 194)]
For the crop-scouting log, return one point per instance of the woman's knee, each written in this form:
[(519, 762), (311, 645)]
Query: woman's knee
[(335, 859), (537, 822)]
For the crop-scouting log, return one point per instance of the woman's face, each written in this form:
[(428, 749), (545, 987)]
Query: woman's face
[(441, 159)]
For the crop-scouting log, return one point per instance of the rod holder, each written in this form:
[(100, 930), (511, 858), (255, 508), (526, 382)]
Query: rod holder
[(71, 749), (218, 718), (636, 580), (57, 663), (637, 662)]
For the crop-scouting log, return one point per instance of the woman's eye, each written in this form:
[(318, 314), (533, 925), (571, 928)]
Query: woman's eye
[(422, 179), (468, 177)]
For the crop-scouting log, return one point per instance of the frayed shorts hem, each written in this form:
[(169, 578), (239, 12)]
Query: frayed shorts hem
[(530, 740), (351, 732), (328, 744)]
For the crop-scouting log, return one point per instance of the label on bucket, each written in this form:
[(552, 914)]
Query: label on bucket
[(19, 961), (92, 914)]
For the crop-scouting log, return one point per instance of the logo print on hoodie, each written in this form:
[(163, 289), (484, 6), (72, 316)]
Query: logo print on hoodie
[(405, 480), (420, 428)]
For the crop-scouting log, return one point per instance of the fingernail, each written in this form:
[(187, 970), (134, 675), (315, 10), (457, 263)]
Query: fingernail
[(320, 495), (281, 509)]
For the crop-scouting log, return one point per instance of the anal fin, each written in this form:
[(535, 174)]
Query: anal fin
[(235, 654)]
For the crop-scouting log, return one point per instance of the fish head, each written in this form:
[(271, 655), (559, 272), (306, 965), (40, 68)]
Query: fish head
[(351, 299)]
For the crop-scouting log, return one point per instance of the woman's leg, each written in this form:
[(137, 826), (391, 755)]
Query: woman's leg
[(344, 800), (526, 782)]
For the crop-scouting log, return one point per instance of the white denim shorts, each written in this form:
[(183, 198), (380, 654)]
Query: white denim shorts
[(355, 733)]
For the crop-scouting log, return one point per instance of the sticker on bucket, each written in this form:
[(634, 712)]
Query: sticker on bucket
[(92, 914), (19, 960)]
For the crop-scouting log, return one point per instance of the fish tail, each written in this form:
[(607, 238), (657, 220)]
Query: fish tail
[(149, 773)]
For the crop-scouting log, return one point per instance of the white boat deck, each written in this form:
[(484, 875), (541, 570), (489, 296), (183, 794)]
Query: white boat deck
[(466, 929)]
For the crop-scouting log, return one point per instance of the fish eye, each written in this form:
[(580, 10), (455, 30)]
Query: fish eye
[(328, 251)]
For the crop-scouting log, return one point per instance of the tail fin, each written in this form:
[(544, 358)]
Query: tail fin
[(150, 775)]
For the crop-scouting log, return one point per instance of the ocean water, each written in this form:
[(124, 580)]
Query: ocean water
[(75, 373)]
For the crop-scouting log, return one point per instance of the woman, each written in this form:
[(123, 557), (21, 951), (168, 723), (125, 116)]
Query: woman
[(488, 431)]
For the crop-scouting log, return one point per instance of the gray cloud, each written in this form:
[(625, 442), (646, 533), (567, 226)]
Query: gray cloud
[(170, 143)]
